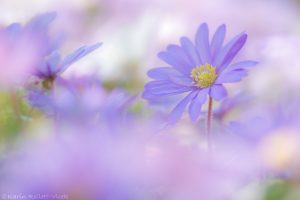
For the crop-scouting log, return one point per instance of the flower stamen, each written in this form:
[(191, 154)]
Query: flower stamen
[(204, 76)]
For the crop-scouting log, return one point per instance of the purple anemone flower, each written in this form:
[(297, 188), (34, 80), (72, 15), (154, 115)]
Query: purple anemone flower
[(53, 65), (198, 69), (29, 43)]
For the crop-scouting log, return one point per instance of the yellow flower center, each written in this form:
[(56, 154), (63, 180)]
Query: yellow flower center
[(204, 76)]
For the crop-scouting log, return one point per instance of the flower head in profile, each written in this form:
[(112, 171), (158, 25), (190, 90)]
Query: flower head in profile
[(50, 63), (53, 65), (198, 69)]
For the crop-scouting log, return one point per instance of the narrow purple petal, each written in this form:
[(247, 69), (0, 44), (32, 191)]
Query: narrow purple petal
[(168, 73), (181, 54), (241, 65), (190, 50), (202, 43), (77, 55), (196, 104), (217, 92), (165, 88), (40, 22), (217, 41), (14, 30), (231, 76), (154, 98), (49, 66), (161, 73), (233, 52), (168, 91), (53, 62), (42, 70), (222, 55), (175, 61), (182, 80), (160, 83), (148, 96), (180, 107)]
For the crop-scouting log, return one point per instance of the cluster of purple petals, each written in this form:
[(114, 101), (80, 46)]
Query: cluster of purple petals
[(175, 78)]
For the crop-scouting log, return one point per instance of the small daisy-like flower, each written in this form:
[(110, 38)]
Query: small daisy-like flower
[(199, 69)]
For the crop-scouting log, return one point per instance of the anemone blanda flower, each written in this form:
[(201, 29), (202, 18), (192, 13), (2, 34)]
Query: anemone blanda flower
[(198, 69)]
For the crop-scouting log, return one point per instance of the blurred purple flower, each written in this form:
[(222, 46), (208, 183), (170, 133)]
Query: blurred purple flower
[(199, 69), (22, 47), (272, 132), (47, 167), (132, 167), (48, 61), (82, 100), (53, 66), (230, 103), (69, 102), (116, 108), (37, 32)]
